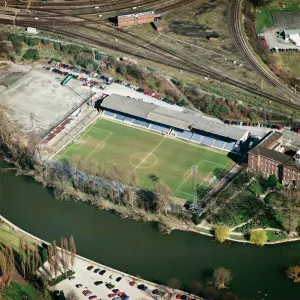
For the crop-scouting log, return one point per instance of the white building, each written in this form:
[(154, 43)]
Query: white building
[(293, 36)]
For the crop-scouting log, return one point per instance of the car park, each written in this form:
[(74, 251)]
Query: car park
[(142, 287)]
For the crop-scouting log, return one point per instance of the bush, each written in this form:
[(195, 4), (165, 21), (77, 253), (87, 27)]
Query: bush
[(45, 42), (122, 70), (196, 219), (31, 54), (33, 42), (61, 278), (56, 46), (98, 56)]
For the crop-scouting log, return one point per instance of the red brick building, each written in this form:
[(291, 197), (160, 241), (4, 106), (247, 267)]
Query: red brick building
[(137, 18), (270, 157)]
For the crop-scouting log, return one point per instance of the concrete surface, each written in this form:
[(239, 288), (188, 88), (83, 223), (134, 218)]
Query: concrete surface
[(274, 41), (116, 88), (37, 101), (87, 279)]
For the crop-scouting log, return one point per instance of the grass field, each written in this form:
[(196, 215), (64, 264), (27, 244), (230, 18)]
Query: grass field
[(151, 155)]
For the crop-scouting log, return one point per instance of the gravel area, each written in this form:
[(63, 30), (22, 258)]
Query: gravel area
[(37, 101)]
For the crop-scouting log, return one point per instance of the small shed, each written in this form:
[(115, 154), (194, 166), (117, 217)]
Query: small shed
[(158, 26), (213, 37)]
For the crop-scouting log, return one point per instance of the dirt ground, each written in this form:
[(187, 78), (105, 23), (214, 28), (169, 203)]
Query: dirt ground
[(36, 100)]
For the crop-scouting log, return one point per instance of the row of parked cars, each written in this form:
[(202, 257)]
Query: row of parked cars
[(283, 49), (146, 92), (273, 126)]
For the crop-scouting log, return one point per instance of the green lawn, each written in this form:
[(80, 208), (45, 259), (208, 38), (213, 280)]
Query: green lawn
[(272, 237), (150, 155), (264, 16)]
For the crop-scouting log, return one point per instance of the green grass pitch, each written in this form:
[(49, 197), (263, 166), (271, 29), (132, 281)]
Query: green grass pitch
[(151, 155)]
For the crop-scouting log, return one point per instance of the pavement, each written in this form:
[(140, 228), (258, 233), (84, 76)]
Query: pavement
[(274, 41), (87, 279)]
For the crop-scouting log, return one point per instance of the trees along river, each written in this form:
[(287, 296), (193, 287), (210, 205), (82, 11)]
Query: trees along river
[(139, 249)]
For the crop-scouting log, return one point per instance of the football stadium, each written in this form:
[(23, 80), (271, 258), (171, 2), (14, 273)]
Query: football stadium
[(159, 143)]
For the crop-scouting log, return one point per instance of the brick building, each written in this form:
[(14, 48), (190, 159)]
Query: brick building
[(277, 154), (136, 18)]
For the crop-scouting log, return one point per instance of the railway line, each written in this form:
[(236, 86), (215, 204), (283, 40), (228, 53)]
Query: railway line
[(237, 35), (169, 59), (150, 52)]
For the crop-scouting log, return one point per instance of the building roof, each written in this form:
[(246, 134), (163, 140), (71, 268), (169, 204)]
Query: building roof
[(185, 119), (287, 20), (291, 140), (157, 24), (270, 154), (270, 139), (134, 13), (291, 164)]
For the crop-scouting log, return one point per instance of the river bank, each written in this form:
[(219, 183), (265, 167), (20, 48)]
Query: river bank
[(84, 276), (139, 248)]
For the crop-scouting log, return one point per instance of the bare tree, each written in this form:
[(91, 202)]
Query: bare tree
[(221, 277), (174, 283), (162, 197), (50, 259), (7, 263), (73, 251), (22, 257), (71, 296), (55, 258), (67, 254)]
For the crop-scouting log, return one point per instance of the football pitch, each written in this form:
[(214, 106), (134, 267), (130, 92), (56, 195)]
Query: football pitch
[(151, 155)]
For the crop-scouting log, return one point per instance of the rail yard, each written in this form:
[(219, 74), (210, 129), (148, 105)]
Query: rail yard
[(81, 22)]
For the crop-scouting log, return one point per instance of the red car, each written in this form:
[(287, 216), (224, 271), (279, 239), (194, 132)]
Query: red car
[(178, 296), (90, 268), (132, 283), (93, 297), (112, 295), (85, 292)]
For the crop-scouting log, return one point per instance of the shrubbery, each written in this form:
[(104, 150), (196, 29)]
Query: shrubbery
[(31, 54)]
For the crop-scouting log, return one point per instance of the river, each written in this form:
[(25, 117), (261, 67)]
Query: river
[(139, 249)]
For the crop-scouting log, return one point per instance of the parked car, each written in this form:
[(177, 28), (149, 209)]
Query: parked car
[(90, 268), (85, 292), (119, 279), (96, 270), (184, 297), (72, 278), (79, 285), (98, 282), (116, 291), (92, 297), (125, 297), (112, 295), (102, 272), (132, 283), (88, 294), (142, 287), (117, 298), (178, 296)]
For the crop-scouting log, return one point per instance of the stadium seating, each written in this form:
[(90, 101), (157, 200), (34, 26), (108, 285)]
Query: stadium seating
[(141, 122), (208, 140), (183, 133), (230, 144), (197, 136), (120, 117), (159, 127), (219, 143), (109, 113), (128, 119)]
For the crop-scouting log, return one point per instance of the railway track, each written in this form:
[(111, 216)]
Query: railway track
[(237, 35), (168, 59)]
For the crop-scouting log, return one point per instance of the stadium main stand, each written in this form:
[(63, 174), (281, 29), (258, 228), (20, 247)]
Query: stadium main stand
[(187, 124)]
